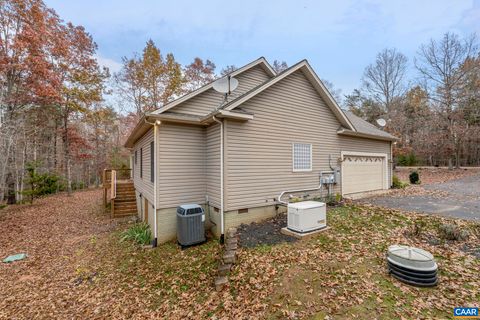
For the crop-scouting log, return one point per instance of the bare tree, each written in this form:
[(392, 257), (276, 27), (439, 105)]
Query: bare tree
[(228, 69), (442, 66), (336, 93), (384, 79), (279, 66)]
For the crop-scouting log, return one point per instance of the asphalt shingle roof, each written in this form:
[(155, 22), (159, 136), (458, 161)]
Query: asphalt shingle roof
[(363, 126)]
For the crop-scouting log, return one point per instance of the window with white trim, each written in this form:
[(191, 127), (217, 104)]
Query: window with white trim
[(302, 157)]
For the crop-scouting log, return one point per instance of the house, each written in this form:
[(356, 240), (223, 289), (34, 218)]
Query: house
[(275, 133)]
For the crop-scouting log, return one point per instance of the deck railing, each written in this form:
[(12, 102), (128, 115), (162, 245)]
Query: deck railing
[(110, 178), (122, 174), (113, 188)]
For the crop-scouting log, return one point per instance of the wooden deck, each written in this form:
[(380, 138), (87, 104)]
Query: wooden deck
[(119, 191)]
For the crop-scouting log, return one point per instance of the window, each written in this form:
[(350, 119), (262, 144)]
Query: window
[(245, 210), (134, 164), (152, 169), (141, 162), (302, 157)]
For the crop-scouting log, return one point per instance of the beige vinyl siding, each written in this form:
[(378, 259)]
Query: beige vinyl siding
[(259, 152), (181, 165), (143, 184), (248, 80), (213, 164), (207, 101)]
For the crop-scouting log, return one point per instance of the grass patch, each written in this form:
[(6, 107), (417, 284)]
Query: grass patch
[(344, 273), (339, 273), (139, 233)]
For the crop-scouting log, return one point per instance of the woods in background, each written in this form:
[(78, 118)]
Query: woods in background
[(59, 130), (437, 115), (50, 83)]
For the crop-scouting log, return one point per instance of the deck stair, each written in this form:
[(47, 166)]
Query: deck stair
[(122, 193), (124, 204)]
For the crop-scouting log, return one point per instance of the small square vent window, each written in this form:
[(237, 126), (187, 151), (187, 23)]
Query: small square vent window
[(302, 157)]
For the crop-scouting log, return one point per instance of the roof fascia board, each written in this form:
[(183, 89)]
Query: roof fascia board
[(134, 135), (351, 133), (234, 115)]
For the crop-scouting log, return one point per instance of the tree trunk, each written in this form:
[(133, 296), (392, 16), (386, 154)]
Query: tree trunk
[(55, 146), (450, 163), (66, 151), (10, 183)]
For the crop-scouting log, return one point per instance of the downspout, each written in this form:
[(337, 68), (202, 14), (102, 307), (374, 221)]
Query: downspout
[(222, 224), (155, 180)]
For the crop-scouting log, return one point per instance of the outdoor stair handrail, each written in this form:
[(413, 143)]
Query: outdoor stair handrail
[(113, 189)]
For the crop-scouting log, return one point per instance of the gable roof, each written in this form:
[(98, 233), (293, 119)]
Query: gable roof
[(351, 125), (318, 85), (262, 62)]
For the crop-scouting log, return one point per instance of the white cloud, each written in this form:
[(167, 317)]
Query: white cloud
[(112, 65)]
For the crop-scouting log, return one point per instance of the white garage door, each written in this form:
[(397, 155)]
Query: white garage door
[(362, 173)]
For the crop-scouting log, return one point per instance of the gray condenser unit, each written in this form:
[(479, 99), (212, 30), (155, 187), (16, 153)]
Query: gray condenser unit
[(190, 224)]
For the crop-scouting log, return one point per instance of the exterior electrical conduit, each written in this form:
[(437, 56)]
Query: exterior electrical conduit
[(320, 187)]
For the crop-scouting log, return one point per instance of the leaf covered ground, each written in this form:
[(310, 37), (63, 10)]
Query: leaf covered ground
[(78, 269)]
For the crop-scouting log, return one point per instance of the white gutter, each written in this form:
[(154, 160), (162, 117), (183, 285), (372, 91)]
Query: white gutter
[(155, 180), (222, 226)]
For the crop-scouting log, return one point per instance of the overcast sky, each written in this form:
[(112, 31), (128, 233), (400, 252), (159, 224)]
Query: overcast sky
[(339, 38)]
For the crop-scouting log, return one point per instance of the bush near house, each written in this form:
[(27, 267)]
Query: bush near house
[(414, 177), (452, 232), (40, 184), (140, 233), (407, 160), (397, 183)]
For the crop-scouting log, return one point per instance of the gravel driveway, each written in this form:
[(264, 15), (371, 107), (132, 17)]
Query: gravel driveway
[(456, 198)]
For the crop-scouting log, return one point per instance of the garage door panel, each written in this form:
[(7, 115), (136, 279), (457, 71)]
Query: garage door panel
[(362, 173)]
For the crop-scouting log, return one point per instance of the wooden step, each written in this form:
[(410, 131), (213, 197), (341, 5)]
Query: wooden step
[(125, 186), (125, 199), (125, 192), (124, 213), (123, 195), (125, 205), (121, 215)]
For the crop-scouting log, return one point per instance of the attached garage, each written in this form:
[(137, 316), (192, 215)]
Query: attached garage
[(363, 172)]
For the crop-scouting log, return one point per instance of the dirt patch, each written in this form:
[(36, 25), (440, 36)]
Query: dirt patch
[(264, 233)]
